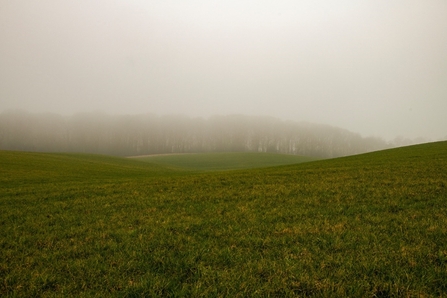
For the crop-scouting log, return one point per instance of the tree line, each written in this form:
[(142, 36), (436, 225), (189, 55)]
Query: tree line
[(128, 135)]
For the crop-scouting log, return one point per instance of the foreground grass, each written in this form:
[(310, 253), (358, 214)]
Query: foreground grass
[(369, 225), (224, 160)]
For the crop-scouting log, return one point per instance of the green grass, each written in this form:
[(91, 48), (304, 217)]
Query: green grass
[(372, 225), (224, 160)]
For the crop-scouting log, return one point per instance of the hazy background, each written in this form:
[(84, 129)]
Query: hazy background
[(374, 67)]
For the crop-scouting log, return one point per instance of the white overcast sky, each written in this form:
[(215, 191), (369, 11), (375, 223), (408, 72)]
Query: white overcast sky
[(376, 67)]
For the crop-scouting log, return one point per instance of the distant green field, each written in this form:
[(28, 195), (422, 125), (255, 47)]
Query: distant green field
[(371, 225), (224, 161)]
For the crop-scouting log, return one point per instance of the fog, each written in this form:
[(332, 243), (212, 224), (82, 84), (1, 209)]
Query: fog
[(145, 134), (374, 67)]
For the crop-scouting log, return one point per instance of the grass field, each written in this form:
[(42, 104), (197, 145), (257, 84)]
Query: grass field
[(224, 160), (372, 225)]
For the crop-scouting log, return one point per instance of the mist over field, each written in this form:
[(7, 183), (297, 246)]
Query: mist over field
[(146, 134), (375, 68), (204, 148)]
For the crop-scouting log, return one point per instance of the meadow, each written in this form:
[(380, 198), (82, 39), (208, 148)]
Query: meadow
[(222, 161), (370, 225)]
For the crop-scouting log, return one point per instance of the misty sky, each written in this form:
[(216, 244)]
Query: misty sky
[(375, 67)]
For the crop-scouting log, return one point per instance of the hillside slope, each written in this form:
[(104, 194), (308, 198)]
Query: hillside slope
[(21, 167), (372, 225)]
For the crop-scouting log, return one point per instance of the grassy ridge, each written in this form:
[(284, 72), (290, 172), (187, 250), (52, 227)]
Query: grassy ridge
[(369, 225), (224, 161), (27, 167)]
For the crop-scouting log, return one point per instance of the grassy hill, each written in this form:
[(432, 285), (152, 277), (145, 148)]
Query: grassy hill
[(224, 160), (18, 167), (372, 225)]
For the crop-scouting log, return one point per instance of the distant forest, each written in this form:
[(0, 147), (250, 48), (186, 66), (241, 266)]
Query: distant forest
[(128, 135)]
